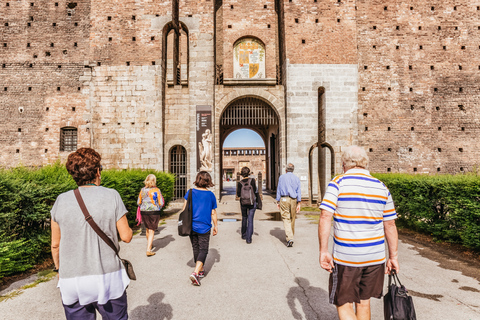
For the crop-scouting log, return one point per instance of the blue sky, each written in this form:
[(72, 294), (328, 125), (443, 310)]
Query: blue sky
[(243, 138)]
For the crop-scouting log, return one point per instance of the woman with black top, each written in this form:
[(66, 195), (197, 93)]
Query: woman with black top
[(248, 203)]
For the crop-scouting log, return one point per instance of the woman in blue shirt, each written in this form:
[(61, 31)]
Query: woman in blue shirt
[(204, 204)]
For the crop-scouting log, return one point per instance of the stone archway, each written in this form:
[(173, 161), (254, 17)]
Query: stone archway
[(250, 112)]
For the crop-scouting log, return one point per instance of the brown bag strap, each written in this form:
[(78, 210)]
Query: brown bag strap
[(92, 223)]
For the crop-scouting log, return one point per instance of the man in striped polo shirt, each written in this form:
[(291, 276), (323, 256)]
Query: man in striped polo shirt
[(363, 217)]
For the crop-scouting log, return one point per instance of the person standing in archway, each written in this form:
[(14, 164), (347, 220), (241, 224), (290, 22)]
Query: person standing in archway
[(247, 192), (288, 201)]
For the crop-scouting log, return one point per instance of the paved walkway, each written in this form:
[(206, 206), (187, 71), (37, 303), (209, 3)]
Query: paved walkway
[(262, 280)]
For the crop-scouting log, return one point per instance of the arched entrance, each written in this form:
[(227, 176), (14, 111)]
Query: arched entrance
[(255, 114)]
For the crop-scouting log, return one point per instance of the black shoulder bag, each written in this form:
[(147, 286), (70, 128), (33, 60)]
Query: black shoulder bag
[(127, 264), (397, 304), (185, 217)]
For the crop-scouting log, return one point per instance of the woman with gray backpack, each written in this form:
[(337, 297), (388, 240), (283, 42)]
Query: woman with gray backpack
[(249, 202)]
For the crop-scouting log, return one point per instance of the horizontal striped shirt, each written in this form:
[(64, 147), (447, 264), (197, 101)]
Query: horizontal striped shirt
[(360, 204)]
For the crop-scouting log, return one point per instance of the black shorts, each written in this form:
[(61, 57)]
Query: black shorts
[(356, 283)]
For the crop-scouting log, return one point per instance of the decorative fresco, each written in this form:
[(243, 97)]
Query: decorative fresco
[(249, 59)]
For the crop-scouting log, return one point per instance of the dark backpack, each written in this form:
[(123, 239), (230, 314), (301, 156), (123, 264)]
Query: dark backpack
[(247, 196)]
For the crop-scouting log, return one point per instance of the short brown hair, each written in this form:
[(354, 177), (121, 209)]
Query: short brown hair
[(203, 180), (290, 167), (83, 164), (245, 172)]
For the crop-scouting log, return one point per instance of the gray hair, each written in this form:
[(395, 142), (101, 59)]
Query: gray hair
[(355, 156), (290, 167)]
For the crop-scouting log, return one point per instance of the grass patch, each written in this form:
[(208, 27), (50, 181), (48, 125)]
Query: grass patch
[(163, 222), (311, 209), (314, 218), (43, 276), (11, 295)]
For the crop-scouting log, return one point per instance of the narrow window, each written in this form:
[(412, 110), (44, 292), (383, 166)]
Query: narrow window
[(68, 139)]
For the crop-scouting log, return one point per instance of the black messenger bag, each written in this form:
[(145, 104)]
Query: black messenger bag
[(185, 217), (397, 304)]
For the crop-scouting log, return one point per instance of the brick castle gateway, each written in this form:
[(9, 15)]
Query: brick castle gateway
[(160, 84)]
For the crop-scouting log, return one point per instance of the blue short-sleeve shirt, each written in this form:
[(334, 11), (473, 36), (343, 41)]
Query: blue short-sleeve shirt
[(203, 202)]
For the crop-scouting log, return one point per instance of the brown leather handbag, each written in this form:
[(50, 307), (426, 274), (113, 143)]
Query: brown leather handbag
[(127, 264)]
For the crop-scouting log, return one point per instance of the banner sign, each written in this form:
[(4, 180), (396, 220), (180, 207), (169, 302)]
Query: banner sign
[(204, 138)]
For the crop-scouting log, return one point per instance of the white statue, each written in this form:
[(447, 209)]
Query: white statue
[(205, 148)]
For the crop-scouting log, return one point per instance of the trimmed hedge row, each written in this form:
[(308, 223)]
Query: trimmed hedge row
[(27, 196), (445, 206)]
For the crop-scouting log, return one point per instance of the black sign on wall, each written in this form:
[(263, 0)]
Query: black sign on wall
[(204, 138)]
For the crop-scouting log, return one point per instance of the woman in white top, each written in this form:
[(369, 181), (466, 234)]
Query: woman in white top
[(91, 276)]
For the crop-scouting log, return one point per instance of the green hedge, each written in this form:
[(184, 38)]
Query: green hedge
[(444, 206), (27, 195)]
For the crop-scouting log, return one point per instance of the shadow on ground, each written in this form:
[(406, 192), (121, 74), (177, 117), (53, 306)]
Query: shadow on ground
[(212, 257), (155, 310), (279, 234), (162, 242), (313, 300)]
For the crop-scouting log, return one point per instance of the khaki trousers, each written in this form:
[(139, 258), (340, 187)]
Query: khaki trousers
[(288, 210)]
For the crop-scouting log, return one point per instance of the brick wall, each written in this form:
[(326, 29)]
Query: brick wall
[(400, 78), (320, 32), (247, 18), (43, 46), (418, 72)]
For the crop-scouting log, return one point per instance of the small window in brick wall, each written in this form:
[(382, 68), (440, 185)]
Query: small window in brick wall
[(68, 139)]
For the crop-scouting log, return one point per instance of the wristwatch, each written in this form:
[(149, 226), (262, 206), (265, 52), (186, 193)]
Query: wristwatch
[(55, 270)]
